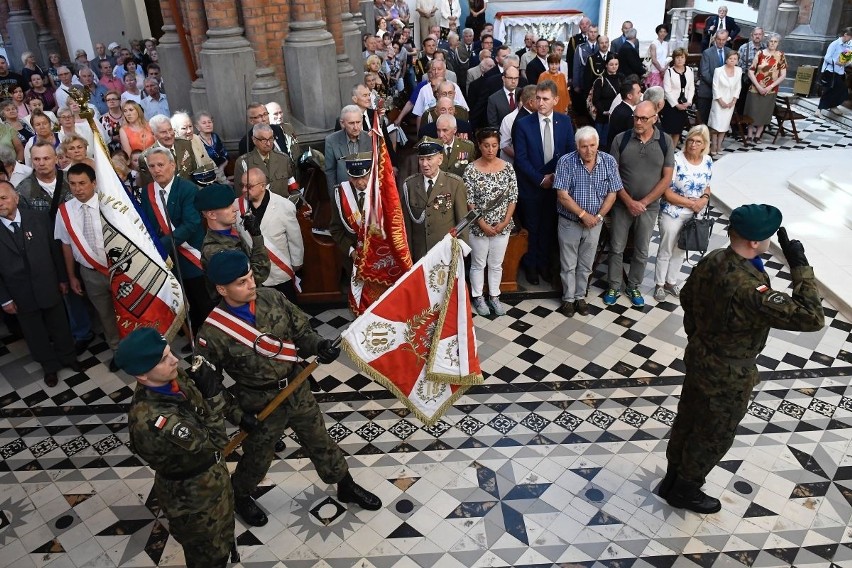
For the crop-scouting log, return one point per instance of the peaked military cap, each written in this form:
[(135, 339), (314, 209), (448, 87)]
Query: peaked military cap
[(429, 147), (755, 222), (214, 196), (358, 165), (226, 266), (140, 351)]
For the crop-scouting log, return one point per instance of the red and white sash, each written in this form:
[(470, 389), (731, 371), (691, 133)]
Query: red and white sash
[(347, 206), (83, 246), (276, 256), (245, 333), (186, 250)]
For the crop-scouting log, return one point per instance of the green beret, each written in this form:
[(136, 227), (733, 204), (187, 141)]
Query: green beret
[(226, 266), (140, 351), (755, 222), (214, 196), (429, 147)]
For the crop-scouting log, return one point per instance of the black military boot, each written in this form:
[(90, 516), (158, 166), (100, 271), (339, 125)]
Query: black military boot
[(667, 482), (350, 492), (687, 495), (249, 511)]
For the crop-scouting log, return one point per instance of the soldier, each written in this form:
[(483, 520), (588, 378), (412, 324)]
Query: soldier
[(729, 308), (258, 337), (347, 216), (434, 201), (176, 424), (458, 153)]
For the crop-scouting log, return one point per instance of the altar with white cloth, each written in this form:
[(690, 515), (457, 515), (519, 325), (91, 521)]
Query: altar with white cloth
[(511, 26)]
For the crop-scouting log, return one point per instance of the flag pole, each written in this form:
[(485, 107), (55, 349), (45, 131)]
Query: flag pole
[(472, 217), (282, 395)]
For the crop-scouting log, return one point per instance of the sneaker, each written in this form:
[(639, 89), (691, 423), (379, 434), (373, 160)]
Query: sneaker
[(636, 297), (496, 306), (566, 309), (480, 306), (581, 307), (673, 289), (659, 293), (611, 296)]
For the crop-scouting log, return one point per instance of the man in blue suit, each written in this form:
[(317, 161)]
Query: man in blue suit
[(540, 139), (184, 236)]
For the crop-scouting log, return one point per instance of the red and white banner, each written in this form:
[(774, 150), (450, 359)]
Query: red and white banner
[(145, 292), (417, 339)]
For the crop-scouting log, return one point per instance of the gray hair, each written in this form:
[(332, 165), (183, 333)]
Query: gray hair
[(150, 81), (452, 35), (7, 155), (180, 115), (655, 95), (350, 109), (262, 127), (512, 59), (158, 150), (467, 31), (157, 120), (630, 34), (772, 36), (586, 133), (26, 55), (484, 54), (448, 118)]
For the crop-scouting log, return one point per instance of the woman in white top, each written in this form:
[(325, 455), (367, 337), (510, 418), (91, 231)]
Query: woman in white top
[(658, 51), (727, 83), (131, 90)]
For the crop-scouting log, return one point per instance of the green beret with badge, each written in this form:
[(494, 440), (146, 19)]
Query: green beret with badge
[(214, 196), (140, 351), (226, 266), (755, 222)]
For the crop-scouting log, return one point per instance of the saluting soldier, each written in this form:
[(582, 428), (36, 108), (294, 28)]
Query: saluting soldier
[(259, 337), (729, 307), (434, 201), (176, 425)]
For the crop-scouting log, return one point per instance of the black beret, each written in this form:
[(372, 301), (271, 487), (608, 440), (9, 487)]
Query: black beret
[(226, 266), (755, 222), (214, 196), (140, 351), (429, 147)]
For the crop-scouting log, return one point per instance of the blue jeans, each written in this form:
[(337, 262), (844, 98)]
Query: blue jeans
[(78, 317)]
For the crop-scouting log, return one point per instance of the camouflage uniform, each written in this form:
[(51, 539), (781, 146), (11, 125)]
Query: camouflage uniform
[(259, 258), (197, 500), (257, 382), (728, 311)]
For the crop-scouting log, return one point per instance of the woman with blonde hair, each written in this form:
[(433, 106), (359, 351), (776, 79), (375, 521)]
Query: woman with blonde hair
[(135, 133), (68, 127), (688, 195), (76, 149)]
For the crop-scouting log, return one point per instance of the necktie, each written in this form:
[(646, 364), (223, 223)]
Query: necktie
[(429, 188), (447, 150), (547, 142), (721, 23), (16, 234), (511, 101), (360, 201), (174, 155), (15, 227), (88, 226), (721, 57)]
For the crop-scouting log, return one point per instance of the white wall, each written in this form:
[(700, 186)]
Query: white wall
[(739, 12), (75, 26), (644, 21), (86, 22)]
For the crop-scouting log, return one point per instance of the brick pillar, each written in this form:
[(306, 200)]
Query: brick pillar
[(347, 75), (263, 18), (311, 61), (55, 24), (351, 35), (357, 16), (195, 22), (47, 44), (228, 61)]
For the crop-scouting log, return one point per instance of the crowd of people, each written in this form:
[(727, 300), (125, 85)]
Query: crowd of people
[(569, 140)]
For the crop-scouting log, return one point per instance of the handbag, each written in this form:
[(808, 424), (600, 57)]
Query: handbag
[(695, 233), (826, 79)]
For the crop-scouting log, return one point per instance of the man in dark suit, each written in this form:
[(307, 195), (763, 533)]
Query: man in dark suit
[(529, 42), (596, 64), (717, 23), (538, 65), (32, 283), (540, 139), (183, 237), (574, 41), (711, 58), (492, 83), (619, 41), (629, 62), (101, 55), (506, 99), (579, 88), (285, 134), (621, 117), (446, 105), (180, 149), (351, 139)]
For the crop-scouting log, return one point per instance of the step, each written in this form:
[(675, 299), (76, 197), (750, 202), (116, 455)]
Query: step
[(836, 203), (838, 177)]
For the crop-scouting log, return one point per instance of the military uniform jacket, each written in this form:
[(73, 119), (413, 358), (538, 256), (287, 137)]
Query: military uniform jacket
[(280, 171), (258, 257), (185, 162), (729, 308), (256, 376), (176, 435), (429, 217), (461, 155)]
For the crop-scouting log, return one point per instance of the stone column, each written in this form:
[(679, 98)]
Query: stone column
[(357, 16), (311, 62), (23, 32), (351, 37), (229, 67), (346, 73), (787, 17), (198, 93), (47, 44), (4, 17), (368, 12), (767, 14), (54, 22)]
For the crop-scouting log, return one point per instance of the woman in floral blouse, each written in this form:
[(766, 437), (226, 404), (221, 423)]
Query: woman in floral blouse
[(492, 189), (688, 195), (767, 72)]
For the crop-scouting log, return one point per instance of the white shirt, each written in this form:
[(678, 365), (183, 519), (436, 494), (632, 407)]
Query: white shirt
[(49, 187), (433, 179), (8, 222), (426, 100), (167, 189), (506, 133), (21, 172), (75, 215)]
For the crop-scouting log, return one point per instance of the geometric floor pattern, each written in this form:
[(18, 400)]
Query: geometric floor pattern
[(552, 462)]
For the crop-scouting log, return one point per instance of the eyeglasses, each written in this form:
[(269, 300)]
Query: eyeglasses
[(259, 139), (112, 99), (251, 185), (255, 117), (643, 118)]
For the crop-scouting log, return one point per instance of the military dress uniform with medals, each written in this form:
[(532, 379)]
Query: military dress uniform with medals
[(348, 214), (457, 156)]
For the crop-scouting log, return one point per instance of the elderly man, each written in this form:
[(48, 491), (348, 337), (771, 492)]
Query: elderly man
[(626, 26), (656, 96), (446, 105), (458, 153), (66, 81), (721, 21), (46, 187), (79, 229), (97, 92), (362, 96), (711, 58), (347, 216), (101, 56), (350, 139), (434, 201), (729, 308), (183, 237), (277, 167), (486, 63), (32, 283), (181, 150), (629, 60), (505, 100), (747, 52), (285, 135), (492, 83), (154, 102), (245, 310), (15, 171), (645, 157), (507, 127), (574, 42), (586, 183), (276, 113), (279, 225)]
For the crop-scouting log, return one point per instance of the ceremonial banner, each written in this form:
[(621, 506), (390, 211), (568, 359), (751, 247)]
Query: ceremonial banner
[(145, 292), (383, 255), (417, 339)]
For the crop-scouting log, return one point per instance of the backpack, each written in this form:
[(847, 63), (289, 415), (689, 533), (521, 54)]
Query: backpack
[(628, 134)]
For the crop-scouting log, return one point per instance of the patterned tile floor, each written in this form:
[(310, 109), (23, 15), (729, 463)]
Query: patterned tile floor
[(552, 462)]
